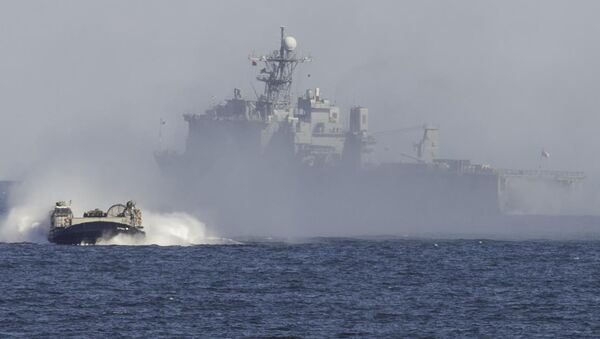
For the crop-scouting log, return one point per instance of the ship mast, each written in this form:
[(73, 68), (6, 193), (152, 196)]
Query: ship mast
[(277, 74)]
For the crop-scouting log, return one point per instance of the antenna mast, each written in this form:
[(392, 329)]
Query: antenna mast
[(277, 75)]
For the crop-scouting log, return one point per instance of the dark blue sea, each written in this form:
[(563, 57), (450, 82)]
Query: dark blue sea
[(319, 288)]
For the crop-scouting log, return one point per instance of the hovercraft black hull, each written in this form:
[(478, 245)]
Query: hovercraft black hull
[(91, 232)]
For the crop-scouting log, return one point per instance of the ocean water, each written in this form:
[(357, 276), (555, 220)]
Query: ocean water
[(322, 288)]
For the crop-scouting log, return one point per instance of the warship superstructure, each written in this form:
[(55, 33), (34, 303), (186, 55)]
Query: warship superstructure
[(96, 224), (272, 160)]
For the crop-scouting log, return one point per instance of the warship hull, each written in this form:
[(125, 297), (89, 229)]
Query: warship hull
[(393, 199), (91, 232)]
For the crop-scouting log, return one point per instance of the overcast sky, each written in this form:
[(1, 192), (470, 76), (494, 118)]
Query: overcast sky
[(503, 79)]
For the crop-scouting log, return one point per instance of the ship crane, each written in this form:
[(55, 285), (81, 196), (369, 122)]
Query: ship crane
[(427, 148)]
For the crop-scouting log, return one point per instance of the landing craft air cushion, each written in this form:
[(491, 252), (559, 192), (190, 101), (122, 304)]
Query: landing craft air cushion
[(95, 224)]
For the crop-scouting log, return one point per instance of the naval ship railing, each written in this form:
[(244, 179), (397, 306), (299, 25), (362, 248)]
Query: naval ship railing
[(565, 175)]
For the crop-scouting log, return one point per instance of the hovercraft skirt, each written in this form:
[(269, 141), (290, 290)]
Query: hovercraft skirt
[(91, 232)]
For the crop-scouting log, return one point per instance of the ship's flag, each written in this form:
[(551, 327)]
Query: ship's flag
[(545, 154)]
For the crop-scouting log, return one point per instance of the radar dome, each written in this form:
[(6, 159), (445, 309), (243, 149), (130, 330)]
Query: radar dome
[(290, 43)]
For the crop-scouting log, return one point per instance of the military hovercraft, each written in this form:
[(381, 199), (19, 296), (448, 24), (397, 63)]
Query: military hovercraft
[(95, 224)]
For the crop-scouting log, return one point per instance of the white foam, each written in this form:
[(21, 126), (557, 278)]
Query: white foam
[(170, 229), (24, 224)]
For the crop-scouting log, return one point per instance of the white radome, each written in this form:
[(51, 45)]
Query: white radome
[(290, 43)]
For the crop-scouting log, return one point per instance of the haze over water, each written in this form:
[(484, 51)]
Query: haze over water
[(84, 87)]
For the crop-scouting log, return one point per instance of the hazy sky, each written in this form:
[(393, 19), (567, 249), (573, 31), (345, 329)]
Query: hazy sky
[(503, 79)]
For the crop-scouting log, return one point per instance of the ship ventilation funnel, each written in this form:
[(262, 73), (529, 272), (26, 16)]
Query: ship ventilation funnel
[(359, 119)]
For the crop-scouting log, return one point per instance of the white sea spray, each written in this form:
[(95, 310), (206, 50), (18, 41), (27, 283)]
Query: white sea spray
[(169, 229)]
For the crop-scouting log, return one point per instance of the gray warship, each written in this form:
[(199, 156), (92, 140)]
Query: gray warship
[(300, 163)]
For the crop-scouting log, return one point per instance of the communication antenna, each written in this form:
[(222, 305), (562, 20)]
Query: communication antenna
[(277, 74), (162, 122)]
